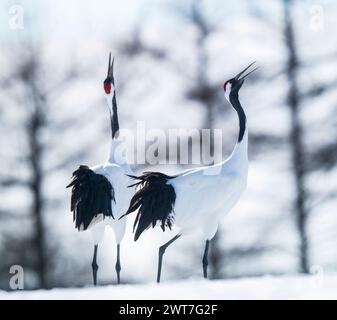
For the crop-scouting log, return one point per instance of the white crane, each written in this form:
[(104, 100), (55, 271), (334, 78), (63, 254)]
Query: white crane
[(195, 199), (100, 194)]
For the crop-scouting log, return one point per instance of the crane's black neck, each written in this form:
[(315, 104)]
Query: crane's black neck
[(114, 117), (234, 100)]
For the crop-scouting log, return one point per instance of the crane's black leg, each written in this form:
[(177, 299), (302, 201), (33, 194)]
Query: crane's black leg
[(205, 259), (94, 265), (118, 265), (161, 253)]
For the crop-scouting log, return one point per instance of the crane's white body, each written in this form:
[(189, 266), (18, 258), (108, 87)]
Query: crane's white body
[(204, 195), (115, 169)]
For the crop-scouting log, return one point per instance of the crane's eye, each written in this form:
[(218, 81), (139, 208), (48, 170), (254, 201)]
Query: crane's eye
[(107, 86)]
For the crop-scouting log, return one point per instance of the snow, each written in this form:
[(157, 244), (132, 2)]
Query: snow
[(318, 286)]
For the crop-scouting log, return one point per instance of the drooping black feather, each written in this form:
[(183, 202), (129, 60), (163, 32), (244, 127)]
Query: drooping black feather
[(91, 195), (155, 200)]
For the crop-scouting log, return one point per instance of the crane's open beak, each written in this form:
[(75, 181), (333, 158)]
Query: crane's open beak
[(110, 74), (242, 76)]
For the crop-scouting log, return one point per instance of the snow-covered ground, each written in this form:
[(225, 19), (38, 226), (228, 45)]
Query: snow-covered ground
[(282, 287)]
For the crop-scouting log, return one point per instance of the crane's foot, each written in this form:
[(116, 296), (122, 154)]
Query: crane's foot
[(94, 265), (205, 259), (118, 265)]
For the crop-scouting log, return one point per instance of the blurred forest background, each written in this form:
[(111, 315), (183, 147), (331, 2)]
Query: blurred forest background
[(172, 58)]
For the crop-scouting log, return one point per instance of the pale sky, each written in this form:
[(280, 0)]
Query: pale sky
[(70, 19)]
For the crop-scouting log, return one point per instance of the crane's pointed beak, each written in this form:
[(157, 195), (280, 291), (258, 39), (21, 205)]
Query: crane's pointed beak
[(110, 74), (242, 76), (109, 65)]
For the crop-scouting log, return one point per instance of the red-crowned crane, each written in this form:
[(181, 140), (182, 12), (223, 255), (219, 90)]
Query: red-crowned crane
[(196, 199), (100, 194)]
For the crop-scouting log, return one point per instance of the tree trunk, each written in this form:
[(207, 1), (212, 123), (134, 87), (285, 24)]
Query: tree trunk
[(35, 161), (296, 137)]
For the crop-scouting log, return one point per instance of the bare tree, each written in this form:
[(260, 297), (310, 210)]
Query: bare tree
[(26, 74), (27, 90), (296, 136), (304, 162), (35, 122)]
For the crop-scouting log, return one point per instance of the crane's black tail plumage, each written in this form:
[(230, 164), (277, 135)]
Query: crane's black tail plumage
[(155, 200), (91, 195)]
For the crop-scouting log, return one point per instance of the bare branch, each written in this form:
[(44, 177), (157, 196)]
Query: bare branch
[(323, 158), (322, 199), (7, 182), (319, 89), (136, 46)]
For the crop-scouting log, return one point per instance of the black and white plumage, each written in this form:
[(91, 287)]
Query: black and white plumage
[(100, 194), (196, 199), (155, 201), (92, 194)]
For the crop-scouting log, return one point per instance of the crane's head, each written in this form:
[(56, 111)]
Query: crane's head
[(233, 85), (109, 81)]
